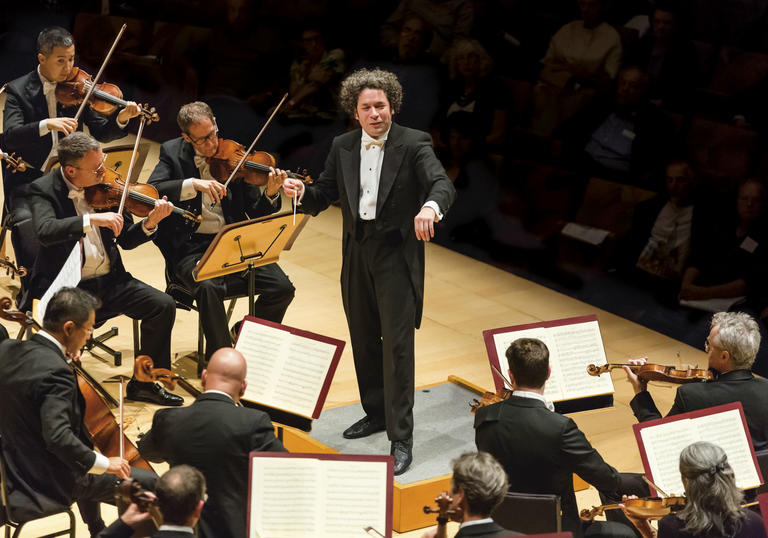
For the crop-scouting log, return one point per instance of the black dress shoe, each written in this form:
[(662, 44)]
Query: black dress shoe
[(402, 451), (363, 428), (152, 393)]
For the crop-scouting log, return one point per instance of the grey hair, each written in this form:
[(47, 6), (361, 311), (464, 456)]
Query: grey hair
[(73, 147), (713, 501), (466, 44), (370, 79), (739, 335), (483, 479), (54, 36), (193, 113)]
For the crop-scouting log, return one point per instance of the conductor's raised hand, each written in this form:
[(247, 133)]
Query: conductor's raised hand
[(292, 187), (111, 220), (638, 384), (424, 224), (275, 180), (215, 190)]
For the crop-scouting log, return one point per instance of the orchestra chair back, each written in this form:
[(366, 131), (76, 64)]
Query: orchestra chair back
[(16, 521), (529, 513)]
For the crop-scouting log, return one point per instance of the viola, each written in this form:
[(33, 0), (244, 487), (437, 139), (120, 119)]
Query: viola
[(140, 201), (646, 508), (444, 513), (14, 163), (255, 169), (657, 372), (129, 491), (105, 99), (490, 398)]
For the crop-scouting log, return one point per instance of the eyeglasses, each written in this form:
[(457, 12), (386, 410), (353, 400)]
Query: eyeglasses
[(88, 330), (100, 170), (205, 139)]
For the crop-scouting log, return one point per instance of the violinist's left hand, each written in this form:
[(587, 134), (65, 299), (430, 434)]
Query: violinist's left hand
[(162, 209), (275, 181), (131, 110), (638, 384)]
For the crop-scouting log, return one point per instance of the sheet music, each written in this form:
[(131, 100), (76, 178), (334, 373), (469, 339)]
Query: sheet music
[(69, 276), (355, 486), (572, 348), (285, 371)]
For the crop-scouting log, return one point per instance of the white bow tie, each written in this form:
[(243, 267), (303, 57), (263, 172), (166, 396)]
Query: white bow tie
[(48, 87), (368, 142), (76, 194)]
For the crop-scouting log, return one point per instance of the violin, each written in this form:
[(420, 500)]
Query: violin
[(490, 398), (444, 513), (140, 201), (14, 163), (105, 99), (129, 491), (657, 372), (646, 508), (255, 169)]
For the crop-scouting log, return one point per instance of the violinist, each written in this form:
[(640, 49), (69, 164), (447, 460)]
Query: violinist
[(62, 217), (478, 486), (50, 458), (713, 501), (539, 448), (731, 348), (180, 496), (183, 174)]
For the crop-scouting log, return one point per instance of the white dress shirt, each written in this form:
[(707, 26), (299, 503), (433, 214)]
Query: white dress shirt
[(534, 396)]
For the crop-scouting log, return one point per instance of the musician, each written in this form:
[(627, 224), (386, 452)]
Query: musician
[(48, 452), (63, 217), (215, 435), (34, 122), (392, 190), (478, 486), (180, 497), (540, 449), (731, 346), (183, 175)]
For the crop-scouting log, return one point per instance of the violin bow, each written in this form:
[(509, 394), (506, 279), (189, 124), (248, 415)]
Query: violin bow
[(98, 75), (121, 380), (250, 148), (2, 89), (126, 183), (506, 381), (654, 486)]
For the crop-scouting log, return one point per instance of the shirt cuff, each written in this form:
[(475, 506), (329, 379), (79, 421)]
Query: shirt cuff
[(120, 123), (433, 205), (146, 230), (187, 190), (301, 196), (43, 128), (86, 223), (100, 465), (272, 199)]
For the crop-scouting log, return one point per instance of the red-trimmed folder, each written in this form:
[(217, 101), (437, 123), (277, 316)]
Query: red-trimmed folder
[(573, 343), (288, 369), (660, 442), (319, 495)]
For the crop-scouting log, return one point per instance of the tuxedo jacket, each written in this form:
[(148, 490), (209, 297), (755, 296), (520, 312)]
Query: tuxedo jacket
[(177, 163), (541, 450), (118, 529), (215, 437), (734, 386), (25, 107), (410, 175), (59, 227), (44, 441), (485, 530)]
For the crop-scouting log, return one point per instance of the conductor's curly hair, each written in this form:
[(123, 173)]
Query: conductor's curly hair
[(374, 79)]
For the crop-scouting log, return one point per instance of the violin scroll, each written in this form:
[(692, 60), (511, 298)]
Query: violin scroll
[(490, 398), (144, 371)]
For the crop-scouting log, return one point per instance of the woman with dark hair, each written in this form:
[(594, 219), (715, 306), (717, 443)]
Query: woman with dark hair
[(712, 501)]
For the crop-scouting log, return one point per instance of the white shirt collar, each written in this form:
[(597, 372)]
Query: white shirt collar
[(214, 391), (367, 138), (176, 528), (476, 522), (534, 396), (46, 83), (48, 336)]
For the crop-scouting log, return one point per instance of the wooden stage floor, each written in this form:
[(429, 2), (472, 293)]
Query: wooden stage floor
[(463, 298)]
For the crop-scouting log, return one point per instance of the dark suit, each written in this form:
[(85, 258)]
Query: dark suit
[(59, 227), (734, 386), (47, 449), (486, 530), (541, 450), (382, 275), (182, 248), (215, 437), (118, 529)]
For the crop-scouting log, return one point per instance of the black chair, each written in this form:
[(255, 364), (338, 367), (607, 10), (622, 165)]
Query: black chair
[(17, 521), (529, 513), (185, 300)]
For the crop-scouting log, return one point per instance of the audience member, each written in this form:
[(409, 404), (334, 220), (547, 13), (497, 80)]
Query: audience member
[(478, 486), (584, 56), (712, 500), (731, 346), (526, 435), (180, 497)]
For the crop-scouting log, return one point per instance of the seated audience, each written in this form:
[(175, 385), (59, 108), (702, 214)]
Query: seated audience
[(712, 501), (478, 486), (180, 498), (731, 346), (540, 449), (584, 56)]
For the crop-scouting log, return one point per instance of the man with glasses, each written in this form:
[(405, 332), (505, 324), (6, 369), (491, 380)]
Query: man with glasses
[(62, 217), (731, 347), (48, 452), (183, 175)]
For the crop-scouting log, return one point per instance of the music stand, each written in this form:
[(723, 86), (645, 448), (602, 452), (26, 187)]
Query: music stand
[(244, 246)]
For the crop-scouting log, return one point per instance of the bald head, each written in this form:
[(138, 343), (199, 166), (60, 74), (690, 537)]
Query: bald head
[(226, 372)]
